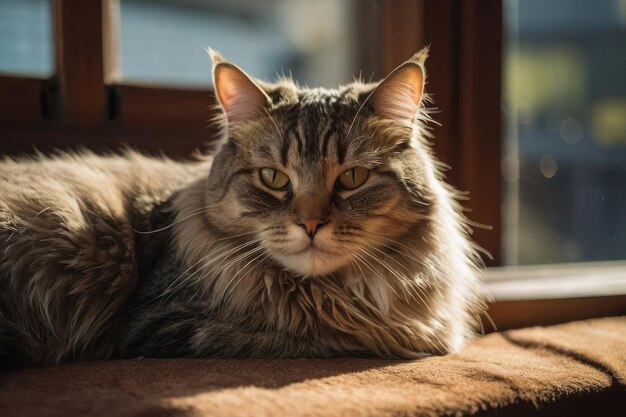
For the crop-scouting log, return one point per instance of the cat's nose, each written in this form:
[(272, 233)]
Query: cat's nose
[(311, 226), (311, 211)]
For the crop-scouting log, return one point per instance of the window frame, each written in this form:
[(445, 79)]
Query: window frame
[(465, 82), (76, 107), (84, 104)]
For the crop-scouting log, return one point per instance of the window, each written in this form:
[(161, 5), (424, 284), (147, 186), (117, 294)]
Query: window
[(164, 41), (564, 164), (26, 37)]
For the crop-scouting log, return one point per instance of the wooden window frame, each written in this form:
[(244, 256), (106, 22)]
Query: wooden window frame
[(84, 104), (464, 79), (77, 107), (550, 294)]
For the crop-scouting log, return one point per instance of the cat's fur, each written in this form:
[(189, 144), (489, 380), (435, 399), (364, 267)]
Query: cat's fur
[(125, 256)]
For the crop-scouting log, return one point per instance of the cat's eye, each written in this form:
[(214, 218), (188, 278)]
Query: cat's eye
[(353, 177), (274, 178)]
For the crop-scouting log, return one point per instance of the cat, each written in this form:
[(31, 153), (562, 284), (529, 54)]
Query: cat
[(322, 226)]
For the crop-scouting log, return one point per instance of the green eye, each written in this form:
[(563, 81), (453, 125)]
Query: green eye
[(353, 178), (273, 178)]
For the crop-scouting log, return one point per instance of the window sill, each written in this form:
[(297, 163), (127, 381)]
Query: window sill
[(541, 282), (550, 294)]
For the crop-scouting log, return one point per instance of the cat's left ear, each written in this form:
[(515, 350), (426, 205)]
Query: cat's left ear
[(240, 96), (399, 95)]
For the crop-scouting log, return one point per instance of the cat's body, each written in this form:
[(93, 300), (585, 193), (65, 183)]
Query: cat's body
[(132, 256), (69, 257)]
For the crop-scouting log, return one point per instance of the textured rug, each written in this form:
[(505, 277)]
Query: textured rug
[(577, 368)]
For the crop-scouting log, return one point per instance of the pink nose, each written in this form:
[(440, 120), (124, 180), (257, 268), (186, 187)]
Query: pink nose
[(311, 226)]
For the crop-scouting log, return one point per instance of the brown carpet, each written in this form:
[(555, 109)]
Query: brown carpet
[(572, 369)]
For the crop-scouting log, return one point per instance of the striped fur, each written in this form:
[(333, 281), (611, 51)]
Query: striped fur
[(201, 259)]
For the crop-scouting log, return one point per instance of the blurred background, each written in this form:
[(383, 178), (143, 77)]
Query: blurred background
[(532, 93), (163, 41), (564, 106)]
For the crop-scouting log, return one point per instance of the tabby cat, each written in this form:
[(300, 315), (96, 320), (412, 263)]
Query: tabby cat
[(321, 227)]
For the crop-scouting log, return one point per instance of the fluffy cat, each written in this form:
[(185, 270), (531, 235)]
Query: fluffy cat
[(322, 227)]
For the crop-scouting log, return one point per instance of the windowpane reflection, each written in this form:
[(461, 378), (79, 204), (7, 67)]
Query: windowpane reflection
[(164, 41), (26, 37), (564, 167)]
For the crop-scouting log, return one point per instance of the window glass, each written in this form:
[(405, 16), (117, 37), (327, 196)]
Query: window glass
[(164, 41), (26, 37), (564, 165)]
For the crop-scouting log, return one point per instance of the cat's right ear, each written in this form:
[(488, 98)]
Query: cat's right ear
[(239, 95)]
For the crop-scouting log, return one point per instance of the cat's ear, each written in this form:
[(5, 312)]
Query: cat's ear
[(240, 96), (399, 95)]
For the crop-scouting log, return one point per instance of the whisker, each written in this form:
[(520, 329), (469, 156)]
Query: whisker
[(393, 272), (274, 123), (265, 256), (238, 258), (174, 285), (232, 237), (426, 265), (193, 213), (401, 278), (358, 266), (357, 115), (212, 272), (371, 268), (418, 291)]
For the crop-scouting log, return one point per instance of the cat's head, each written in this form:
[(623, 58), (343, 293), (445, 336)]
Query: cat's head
[(321, 179)]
